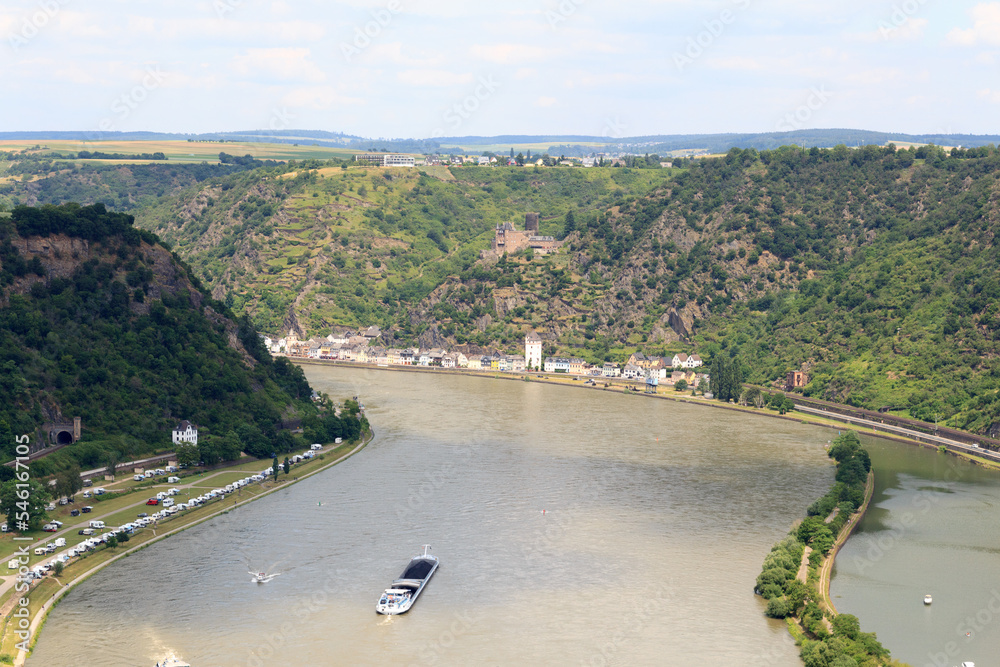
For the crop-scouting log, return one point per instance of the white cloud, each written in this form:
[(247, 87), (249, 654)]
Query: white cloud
[(545, 101), (316, 97), (989, 95), (511, 54), (432, 77), (985, 28), (737, 63), (286, 64)]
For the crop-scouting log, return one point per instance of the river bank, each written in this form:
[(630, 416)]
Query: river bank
[(40, 605), (634, 388)]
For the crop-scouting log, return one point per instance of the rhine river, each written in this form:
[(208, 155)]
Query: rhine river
[(573, 527), (933, 528)]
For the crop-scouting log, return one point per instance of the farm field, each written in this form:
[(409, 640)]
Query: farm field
[(182, 151)]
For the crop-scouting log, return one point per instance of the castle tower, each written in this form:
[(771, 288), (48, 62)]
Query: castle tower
[(531, 223), (532, 351)]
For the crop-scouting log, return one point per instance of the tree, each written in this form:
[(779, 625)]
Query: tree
[(112, 542), (24, 507), (570, 224), (274, 468), (187, 455), (57, 569), (681, 385), (112, 459), (287, 466), (68, 482)]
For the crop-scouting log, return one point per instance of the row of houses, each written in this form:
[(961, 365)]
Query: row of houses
[(361, 346)]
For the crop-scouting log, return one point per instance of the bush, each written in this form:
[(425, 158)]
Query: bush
[(777, 608)]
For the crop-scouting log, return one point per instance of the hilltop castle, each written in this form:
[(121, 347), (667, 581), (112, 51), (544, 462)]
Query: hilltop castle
[(510, 240)]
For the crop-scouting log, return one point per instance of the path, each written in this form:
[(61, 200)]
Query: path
[(803, 573)]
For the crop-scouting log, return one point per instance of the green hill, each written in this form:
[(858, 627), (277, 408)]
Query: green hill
[(313, 247), (99, 320), (873, 270)]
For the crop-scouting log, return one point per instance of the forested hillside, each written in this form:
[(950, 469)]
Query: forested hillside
[(873, 270), (322, 245), (98, 320)]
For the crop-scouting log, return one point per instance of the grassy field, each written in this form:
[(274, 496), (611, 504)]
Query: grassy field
[(182, 151)]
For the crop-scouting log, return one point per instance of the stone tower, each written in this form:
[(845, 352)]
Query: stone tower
[(532, 351), (531, 223)]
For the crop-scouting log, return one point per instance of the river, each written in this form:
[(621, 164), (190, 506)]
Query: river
[(933, 528), (574, 528)]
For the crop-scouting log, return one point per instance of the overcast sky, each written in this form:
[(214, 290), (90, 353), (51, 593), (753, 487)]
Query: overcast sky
[(420, 68)]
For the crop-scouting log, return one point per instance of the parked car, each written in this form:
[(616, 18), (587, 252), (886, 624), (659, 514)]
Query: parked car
[(86, 531), (142, 515), (87, 509), (49, 528), (88, 482), (64, 501), (74, 512), (153, 501), (50, 507)]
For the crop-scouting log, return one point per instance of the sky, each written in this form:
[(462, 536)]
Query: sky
[(427, 68)]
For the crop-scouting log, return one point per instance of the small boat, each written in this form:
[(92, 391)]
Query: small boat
[(262, 577), (928, 599), (172, 662), (404, 591)]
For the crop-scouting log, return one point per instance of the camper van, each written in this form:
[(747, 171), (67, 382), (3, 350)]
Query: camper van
[(173, 480), (316, 446), (97, 524)]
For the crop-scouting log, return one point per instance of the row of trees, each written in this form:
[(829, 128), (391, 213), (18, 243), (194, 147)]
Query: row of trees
[(846, 645)]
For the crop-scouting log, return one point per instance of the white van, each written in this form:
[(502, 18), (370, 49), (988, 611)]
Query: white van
[(316, 446), (60, 541), (138, 478), (173, 480), (97, 524), (168, 502)]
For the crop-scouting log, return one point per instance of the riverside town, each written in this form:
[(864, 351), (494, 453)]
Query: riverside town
[(361, 347)]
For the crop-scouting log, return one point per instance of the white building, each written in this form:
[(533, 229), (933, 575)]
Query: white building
[(186, 433), (533, 350), (684, 361)]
